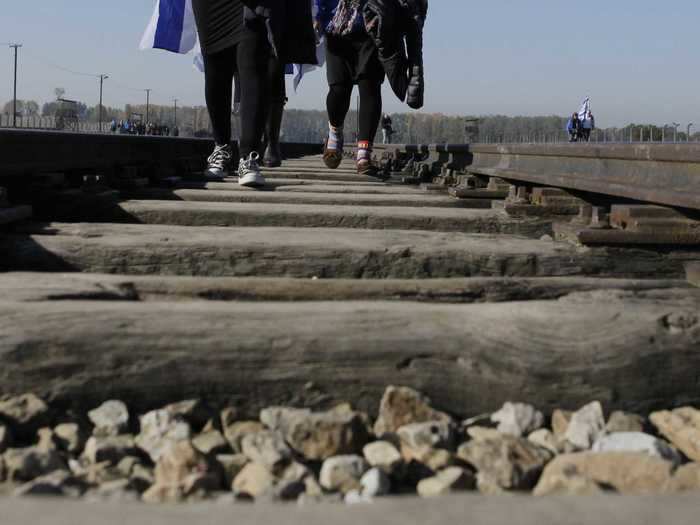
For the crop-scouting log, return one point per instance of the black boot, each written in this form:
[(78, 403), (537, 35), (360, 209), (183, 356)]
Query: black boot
[(273, 153)]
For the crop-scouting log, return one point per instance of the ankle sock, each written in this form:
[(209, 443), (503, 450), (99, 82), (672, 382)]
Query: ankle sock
[(364, 151), (335, 138)]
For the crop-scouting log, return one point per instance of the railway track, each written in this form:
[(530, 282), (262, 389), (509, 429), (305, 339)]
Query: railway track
[(474, 275), (323, 260)]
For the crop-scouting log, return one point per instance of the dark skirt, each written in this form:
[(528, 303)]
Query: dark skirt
[(352, 58), (220, 24)]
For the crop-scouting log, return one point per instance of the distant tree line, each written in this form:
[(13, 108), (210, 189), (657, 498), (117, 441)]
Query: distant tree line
[(409, 128)]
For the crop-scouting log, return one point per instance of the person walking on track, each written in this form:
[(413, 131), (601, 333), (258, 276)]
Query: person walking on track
[(351, 59), (253, 38)]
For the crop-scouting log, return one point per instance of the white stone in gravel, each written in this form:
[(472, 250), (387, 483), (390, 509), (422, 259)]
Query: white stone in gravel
[(586, 426), (253, 481), (280, 418), (266, 448), (375, 483), (545, 439), (402, 406), (25, 414), (343, 473), (637, 442), (518, 419), (449, 480), (70, 437), (432, 434), (383, 455), (159, 430), (319, 435), (111, 418)]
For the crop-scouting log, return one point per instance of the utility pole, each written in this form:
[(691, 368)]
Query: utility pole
[(688, 133), (99, 108), (175, 113), (675, 131), (14, 98), (148, 104)]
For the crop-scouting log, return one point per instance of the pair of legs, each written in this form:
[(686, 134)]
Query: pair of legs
[(250, 58), (353, 60), (339, 100)]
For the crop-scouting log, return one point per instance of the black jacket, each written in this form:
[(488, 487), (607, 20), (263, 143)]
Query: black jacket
[(289, 28), (396, 26)]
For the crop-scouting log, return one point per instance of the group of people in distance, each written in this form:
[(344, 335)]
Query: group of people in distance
[(255, 41), (130, 127), (579, 129)]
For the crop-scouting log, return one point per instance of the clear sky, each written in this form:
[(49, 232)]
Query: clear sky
[(638, 60)]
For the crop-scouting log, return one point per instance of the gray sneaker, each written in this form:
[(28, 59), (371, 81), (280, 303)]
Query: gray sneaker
[(219, 162), (249, 172)]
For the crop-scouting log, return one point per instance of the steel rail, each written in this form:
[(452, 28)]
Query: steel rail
[(667, 174), (29, 152)]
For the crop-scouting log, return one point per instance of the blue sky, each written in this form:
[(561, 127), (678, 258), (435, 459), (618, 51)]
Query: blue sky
[(638, 60)]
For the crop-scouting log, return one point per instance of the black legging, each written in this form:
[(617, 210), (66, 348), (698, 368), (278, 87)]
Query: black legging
[(250, 57), (275, 79), (338, 105)]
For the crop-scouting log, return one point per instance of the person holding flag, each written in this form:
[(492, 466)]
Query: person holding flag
[(250, 37), (587, 121)]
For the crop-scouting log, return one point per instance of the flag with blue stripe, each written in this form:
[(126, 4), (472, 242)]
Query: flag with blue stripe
[(172, 27)]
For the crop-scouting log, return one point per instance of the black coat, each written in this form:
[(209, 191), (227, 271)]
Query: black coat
[(290, 28), (396, 26)]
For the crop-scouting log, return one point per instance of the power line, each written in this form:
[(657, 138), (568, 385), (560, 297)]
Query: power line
[(102, 77), (60, 68)]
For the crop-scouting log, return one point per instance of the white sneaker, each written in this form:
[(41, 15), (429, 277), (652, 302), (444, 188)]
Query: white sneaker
[(219, 162), (249, 171)]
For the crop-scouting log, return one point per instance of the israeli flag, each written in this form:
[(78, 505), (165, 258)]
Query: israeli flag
[(172, 27), (585, 109)]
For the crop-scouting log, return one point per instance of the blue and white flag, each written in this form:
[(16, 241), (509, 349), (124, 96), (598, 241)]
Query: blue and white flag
[(172, 27), (585, 109)]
